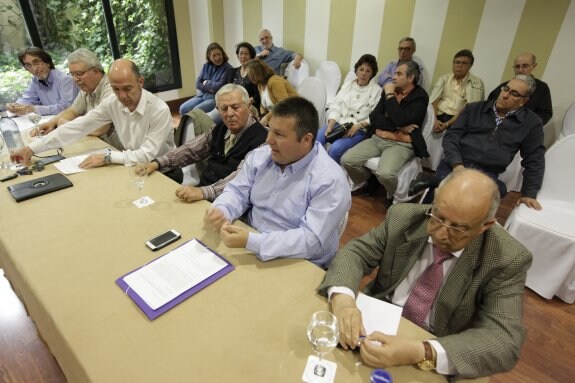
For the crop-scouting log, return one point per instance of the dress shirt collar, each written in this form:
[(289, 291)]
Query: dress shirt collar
[(303, 162), (49, 80), (141, 108), (251, 121), (520, 114)]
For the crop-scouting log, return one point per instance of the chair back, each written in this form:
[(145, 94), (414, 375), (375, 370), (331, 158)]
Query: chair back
[(568, 122), (296, 76), (313, 89), (351, 76), (329, 73), (557, 185)]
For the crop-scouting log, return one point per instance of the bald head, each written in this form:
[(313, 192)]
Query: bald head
[(126, 83), (524, 63), (466, 199)]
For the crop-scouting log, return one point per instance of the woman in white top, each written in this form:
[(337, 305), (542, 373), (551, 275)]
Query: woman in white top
[(353, 104)]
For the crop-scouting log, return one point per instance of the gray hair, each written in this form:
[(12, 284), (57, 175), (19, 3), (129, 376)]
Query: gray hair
[(530, 81), (495, 198), (229, 88), (412, 69), (85, 56), (410, 39), (265, 30)]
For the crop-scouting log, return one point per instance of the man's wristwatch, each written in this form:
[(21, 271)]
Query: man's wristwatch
[(428, 363), (108, 157)]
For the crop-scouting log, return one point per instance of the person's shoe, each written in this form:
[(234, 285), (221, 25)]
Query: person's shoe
[(387, 203), (419, 184)]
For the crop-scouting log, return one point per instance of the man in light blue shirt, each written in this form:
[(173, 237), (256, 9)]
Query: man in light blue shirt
[(275, 56), (50, 90), (294, 194)]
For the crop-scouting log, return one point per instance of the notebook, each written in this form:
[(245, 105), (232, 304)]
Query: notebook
[(39, 186)]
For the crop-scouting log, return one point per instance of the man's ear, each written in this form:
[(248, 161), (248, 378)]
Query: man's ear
[(488, 224)]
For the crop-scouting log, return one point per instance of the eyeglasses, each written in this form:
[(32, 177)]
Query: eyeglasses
[(404, 48), (522, 66), (34, 63), (80, 73), (512, 92), (459, 62), (453, 231)]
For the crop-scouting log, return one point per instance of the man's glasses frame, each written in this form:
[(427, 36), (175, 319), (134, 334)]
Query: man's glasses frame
[(512, 92), (454, 231), (80, 73)]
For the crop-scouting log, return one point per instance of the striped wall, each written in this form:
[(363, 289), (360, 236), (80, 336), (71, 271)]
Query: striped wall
[(343, 30)]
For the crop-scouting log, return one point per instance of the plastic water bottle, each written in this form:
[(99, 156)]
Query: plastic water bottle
[(11, 134)]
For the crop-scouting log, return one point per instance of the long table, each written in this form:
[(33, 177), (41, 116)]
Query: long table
[(62, 253)]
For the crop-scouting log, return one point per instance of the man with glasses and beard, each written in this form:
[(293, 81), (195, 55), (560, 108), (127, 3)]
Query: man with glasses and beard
[(454, 271), (50, 90)]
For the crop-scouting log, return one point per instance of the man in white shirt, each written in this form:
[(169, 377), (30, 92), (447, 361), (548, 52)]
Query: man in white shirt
[(454, 272), (143, 123)]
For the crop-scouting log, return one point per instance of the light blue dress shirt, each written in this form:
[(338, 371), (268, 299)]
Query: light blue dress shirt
[(51, 96), (297, 212), (276, 57)]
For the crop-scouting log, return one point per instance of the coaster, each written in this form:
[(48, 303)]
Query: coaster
[(319, 373), (143, 202)]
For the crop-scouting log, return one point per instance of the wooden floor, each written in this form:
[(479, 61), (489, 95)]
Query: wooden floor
[(547, 356)]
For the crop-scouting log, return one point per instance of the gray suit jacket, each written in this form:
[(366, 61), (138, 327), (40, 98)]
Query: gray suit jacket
[(478, 310)]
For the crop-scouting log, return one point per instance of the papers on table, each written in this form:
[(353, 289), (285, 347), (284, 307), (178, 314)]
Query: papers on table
[(71, 165), (378, 315), (173, 277)]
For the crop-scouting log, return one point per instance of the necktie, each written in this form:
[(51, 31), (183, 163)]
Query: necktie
[(420, 300), (230, 143)]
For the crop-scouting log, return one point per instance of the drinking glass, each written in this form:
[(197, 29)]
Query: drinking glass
[(138, 173), (34, 118), (323, 334)]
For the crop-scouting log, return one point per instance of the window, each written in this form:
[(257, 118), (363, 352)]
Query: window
[(141, 30)]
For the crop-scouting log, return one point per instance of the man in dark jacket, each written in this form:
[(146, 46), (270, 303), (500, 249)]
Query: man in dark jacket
[(395, 127), (224, 147)]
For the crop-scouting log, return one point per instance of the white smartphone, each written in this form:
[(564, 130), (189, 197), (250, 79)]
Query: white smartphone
[(163, 240)]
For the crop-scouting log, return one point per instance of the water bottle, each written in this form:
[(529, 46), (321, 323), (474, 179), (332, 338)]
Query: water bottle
[(11, 134)]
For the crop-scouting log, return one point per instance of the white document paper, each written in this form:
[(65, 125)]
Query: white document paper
[(70, 165), (162, 280), (378, 315)]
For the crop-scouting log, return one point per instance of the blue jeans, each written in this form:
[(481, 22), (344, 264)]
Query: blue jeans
[(341, 145), (205, 102)]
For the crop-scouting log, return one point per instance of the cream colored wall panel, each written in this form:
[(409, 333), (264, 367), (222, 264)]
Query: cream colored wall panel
[(316, 32), (559, 70), (199, 23), (427, 29), (233, 28), (366, 34), (272, 19), (494, 40)]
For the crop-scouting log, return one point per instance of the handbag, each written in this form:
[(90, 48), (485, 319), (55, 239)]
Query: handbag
[(338, 132)]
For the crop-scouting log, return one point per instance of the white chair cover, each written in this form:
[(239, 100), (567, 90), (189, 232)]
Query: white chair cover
[(411, 168), (351, 76), (313, 89), (329, 73), (296, 76), (568, 122), (512, 177), (191, 175), (550, 234)]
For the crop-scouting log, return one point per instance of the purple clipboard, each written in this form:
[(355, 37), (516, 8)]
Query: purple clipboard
[(153, 314)]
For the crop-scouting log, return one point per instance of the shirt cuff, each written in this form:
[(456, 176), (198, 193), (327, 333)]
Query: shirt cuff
[(339, 290), (117, 157), (443, 365), (208, 193), (38, 146), (254, 244)]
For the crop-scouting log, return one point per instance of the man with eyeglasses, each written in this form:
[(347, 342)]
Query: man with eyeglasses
[(405, 51), (224, 147), (540, 100), (50, 90), (455, 90), (454, 271), (143, 123), (275, 56), (88, 74), (488, 134)]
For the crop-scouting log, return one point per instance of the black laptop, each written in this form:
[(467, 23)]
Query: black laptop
[(39, 186)]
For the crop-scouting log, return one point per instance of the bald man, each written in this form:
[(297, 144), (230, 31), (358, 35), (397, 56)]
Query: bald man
[(143, 123), (540, 100), (476, 312)]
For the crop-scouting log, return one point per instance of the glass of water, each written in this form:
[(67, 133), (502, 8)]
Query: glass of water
[(34, 117), (138, 174), (323, 335)]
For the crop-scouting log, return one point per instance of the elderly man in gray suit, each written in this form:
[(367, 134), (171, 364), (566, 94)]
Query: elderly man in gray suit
[(454, 271)]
